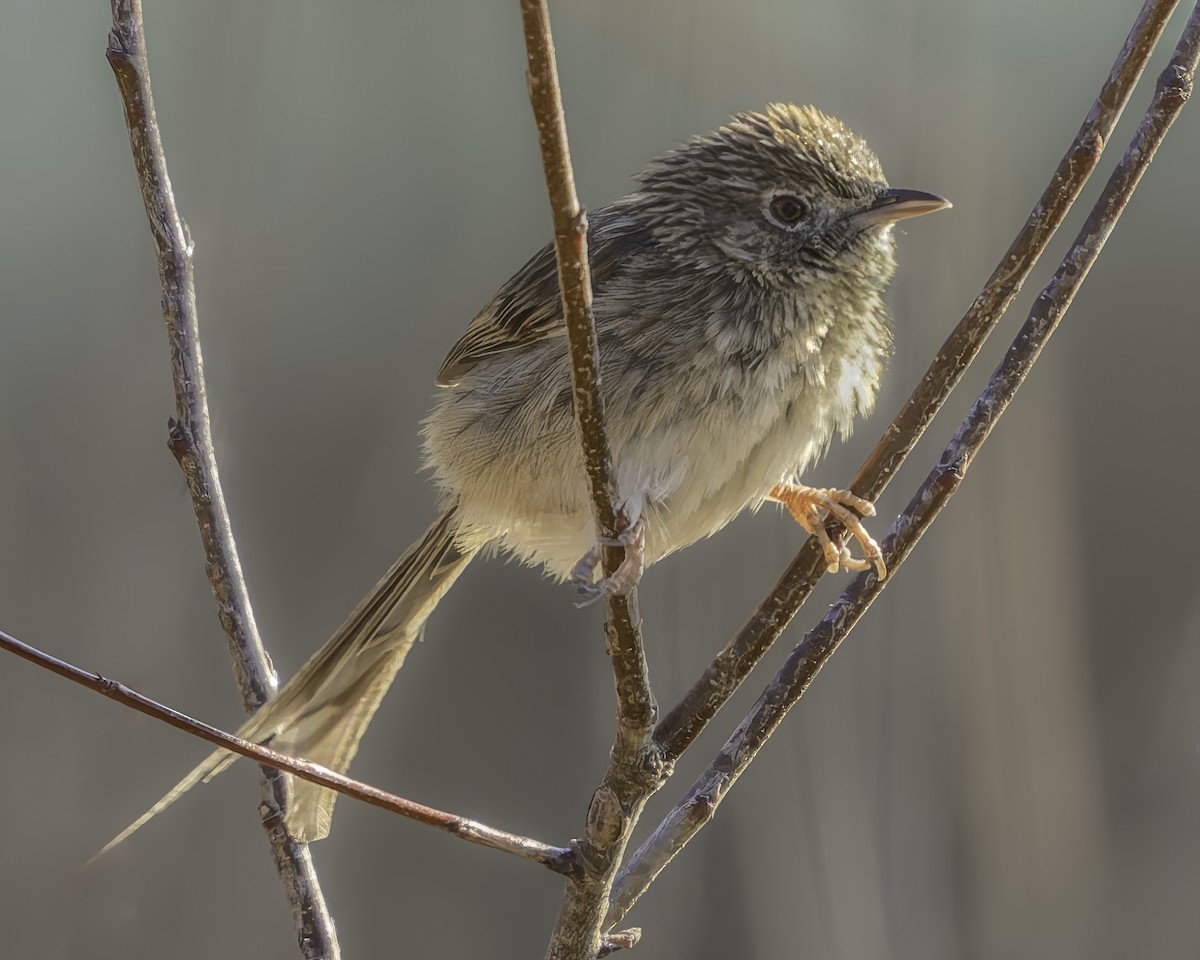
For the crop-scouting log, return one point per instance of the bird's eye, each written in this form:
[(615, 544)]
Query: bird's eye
[(788, 210)]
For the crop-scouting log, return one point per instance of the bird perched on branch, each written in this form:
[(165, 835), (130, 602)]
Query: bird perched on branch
[(738, 301)]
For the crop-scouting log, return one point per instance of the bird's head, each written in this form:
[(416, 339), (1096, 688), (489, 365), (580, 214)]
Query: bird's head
[(782, 195)]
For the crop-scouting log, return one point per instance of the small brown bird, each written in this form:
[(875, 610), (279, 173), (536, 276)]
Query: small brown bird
[(738, 298)]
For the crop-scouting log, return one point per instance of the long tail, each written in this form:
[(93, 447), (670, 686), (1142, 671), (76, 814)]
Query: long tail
[(323, 711)]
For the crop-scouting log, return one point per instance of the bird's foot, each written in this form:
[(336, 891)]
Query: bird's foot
[(633, 538), (809, 507)]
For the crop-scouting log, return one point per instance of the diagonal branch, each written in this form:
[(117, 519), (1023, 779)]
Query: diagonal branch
[(698, 806), (635, 769), (191, 443), (732, 665), (558, 859)]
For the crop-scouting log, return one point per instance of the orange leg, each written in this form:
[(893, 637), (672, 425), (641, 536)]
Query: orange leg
[(809, 507)]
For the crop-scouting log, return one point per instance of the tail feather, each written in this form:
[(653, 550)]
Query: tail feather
[(213, 764), (331, 735), (322, 712)]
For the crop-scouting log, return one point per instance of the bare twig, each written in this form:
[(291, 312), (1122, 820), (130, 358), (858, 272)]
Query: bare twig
[(635, 768), (680, 727), (635, 702), (697, 807), (191, 443), (558, 859)]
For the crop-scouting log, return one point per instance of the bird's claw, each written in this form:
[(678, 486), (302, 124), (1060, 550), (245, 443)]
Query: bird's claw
[(624, 578), (809, 507)]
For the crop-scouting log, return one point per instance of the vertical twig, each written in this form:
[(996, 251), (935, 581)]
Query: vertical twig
[(698, 806), (635, 768), (191, 442), (574, 276)]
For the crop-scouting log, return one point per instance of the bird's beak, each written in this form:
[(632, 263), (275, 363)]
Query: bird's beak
[(893, 205)]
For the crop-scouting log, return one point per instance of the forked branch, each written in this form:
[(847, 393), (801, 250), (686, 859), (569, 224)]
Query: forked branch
[(697, 807), (732, 665)]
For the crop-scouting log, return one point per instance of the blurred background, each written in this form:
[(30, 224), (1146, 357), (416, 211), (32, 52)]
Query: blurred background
[(1003, 761)]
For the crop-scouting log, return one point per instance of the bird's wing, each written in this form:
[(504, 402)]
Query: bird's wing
[(527, 308)]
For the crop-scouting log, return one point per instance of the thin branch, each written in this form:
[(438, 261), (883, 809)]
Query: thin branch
[(635, 768), (679, 728), (635, 701), (558, 859), (191, 443), (698, 806)]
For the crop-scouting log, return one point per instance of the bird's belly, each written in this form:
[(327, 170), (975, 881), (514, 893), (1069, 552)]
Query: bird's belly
[(690, 479), (731, 464), (688, 471)]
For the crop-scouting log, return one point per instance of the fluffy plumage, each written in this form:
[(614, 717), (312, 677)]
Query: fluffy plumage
[(741, 322), (732, 347)]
